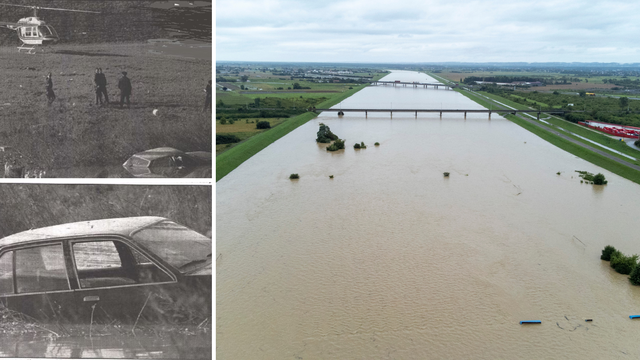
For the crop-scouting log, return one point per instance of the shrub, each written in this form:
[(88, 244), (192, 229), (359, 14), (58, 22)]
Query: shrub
[(223, 121), (337, 145), (606, 252), (362, 145), (623, 264), (356, 146), (634, 277), (446, 174), (294, 176), (226, 139), (231, 121), (330, 176), (377, 144), (325, 135), (263, 125), (599, 179)]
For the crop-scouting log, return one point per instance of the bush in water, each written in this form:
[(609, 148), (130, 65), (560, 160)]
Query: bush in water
[(634, 277), (377, 143), (599, 179), (337, 145), (606, 252), (356, 146), (623, 264), (325, 135), (294, 176)]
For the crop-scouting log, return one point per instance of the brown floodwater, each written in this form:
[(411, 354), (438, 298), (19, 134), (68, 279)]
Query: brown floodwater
[(390, 259)]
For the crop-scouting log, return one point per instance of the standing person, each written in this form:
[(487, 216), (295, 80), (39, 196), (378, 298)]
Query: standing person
[(50, 94), (125, 89), (103, 86), (207, 101), (96, 81)]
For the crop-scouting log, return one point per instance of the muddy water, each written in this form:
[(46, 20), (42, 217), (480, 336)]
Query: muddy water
[(390, 259)]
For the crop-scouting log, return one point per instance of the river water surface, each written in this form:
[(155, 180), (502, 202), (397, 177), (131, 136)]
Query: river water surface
[(390, 259)]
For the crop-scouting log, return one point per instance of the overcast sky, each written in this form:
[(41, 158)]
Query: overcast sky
[(428, 31)]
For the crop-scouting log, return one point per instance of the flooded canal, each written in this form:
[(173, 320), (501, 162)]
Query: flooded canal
[(390, 259)]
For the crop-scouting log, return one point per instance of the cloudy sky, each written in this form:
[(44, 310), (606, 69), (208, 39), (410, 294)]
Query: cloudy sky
[(428, 31)]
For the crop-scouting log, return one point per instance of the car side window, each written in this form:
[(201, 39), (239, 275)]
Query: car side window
[(41, 269), (6, 273), (96, 255), (105, 263)]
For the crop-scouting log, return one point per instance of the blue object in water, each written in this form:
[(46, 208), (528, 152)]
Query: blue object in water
[(530, 322), (634, 316)]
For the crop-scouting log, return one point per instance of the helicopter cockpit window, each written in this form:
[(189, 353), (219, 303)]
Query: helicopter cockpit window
[(44, 31)]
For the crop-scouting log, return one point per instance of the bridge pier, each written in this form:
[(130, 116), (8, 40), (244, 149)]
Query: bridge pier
[(392, 114), (416, 114), (465, 115), (489, 114), (440, 114), (365, 114)]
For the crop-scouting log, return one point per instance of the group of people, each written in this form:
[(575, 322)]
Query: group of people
[(124, 84), (100, 81)]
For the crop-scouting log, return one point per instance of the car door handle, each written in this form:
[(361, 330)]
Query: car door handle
[(91, 298)]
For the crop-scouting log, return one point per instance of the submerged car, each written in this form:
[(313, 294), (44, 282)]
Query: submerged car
[(124, 268), (169, 162)]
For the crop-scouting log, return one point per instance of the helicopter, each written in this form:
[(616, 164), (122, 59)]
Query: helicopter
[(33, 31)]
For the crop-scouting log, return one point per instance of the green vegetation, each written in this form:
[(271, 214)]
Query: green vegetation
[(634, 276), (606, 252), (597, 179), (294, 176), (623, 264), (226, 139), (360, 146), (330, 176), (446, 174), (337, 145), (377, 144), (263, 125), (626, 265), (325, 135)]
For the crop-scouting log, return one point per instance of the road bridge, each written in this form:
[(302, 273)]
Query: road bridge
[(464, 111), (413, 84)]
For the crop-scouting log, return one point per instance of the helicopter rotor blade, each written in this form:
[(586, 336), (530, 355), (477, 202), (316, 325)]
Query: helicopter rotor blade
[(82, 11), (48, 8)]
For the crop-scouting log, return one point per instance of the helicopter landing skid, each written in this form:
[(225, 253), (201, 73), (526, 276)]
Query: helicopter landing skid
[(31, 49)]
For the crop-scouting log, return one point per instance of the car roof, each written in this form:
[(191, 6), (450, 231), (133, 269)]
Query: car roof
[(117, 226), (158, 153)]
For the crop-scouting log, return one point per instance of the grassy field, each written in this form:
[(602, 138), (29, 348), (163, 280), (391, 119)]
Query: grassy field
[(594, 82), (74, 132)]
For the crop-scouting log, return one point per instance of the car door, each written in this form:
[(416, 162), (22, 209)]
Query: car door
[(34, 280), (114, 280)]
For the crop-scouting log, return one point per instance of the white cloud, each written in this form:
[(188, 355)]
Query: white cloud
[(423, 31)]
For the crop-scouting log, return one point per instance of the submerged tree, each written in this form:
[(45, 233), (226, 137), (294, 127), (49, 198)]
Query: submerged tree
[(325, 135)]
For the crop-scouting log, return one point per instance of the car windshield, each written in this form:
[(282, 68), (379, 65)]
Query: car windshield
[(174, 243)]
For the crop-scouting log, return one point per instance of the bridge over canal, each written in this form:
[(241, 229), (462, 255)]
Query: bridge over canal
[(413, 84), (463, 111)]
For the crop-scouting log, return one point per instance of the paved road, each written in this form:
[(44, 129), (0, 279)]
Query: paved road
[(570, 139)]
